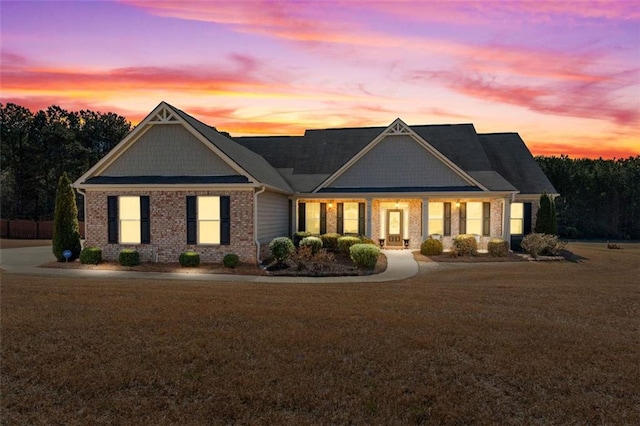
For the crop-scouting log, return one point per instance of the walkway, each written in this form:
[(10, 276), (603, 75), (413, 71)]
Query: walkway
[(26, 261)]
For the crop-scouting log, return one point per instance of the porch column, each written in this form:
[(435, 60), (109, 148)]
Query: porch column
[(368, 228), (425, 218), (294, 217), (506, 220)]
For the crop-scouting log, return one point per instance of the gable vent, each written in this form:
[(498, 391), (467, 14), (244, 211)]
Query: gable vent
[(164, 116)]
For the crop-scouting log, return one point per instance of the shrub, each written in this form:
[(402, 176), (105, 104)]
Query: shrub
[(367, 240), (91, 255), (66, 233), (299, 236), (364, 255), (546, 220), (330, 241), (321, 261), (189, 259), (345, 243), (498, 248), (542, 244), (302, 256), (314, 242), (431, 247), (129, 257), (281, 248), (466, 245), (230, 260)]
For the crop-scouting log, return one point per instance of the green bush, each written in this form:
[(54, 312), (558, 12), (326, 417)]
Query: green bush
[(431, 247), (364, 255), (546, 220), (189, 259), (299, 236), (230, 260), (314, 242), (498, 248), (281, 248), (66, 233), (466, 245), (330, 241), (367, 240), (345, 243), (542, 244), (129, 257), (91, 255)]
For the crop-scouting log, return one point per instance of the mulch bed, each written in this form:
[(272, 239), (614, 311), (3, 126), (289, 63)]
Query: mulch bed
[(205, 268), (343, 266), (479, 258)]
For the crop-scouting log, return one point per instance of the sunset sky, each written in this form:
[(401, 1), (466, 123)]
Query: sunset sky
[(565, 75)]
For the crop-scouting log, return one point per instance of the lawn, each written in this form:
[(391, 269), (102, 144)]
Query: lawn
[(498, 343)]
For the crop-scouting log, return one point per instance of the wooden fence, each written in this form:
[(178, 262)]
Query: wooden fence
[(20, 229)]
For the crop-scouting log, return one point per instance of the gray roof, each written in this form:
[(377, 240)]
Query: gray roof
[(510, 157)]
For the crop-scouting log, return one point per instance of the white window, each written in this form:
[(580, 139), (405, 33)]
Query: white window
[(312, 218), (129, 217), (350, 218), (436, 218), (208, 220), (517, 219), (474, 218)]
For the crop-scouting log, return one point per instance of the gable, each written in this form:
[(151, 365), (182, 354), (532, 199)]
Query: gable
[(399, 161), (168, 150)]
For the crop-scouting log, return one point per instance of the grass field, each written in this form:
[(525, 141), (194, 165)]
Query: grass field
[(503, 343)]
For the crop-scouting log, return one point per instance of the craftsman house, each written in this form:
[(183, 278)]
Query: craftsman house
[(175, 184)]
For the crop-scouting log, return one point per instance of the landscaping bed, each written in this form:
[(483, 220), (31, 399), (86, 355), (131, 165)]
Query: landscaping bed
[(203, 268), (342, 266), (479, 258)]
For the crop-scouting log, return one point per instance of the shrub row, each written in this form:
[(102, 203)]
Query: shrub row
[(131, 257)]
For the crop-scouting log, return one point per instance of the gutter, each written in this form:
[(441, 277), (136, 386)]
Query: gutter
[(255, 220)]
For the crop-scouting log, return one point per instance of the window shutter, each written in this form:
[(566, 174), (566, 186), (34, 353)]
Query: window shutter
[(112, 219), (447, 218), (323, 218), (526, 220), (302, 220), (225, 220), (361, 218), (145, 220), (463, 218), (192, 220), (340, 219), (486, 219)]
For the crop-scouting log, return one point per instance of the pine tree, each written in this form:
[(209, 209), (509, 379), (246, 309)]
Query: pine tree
[(66, 233), (546, 222)]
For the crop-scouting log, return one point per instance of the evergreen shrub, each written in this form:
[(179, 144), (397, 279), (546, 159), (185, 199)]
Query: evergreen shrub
[(91, 255), (314, 242), (189, 259), (66, 232), (129, 257), (299, 236), (345, 243), (364, 255), (465, 245), (330, 241), (431, 247), (230, 260), (498, 247), (281, 248)]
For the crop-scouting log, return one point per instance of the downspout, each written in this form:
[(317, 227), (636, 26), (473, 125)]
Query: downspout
[(255, 220)]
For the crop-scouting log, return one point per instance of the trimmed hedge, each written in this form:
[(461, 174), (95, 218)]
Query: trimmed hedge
[(129, 257), (498, 247), (91, 255), (466, 245), (364, 255), (314, 242), (281, 248), (330, 241), (230, 260), (299, 236), (345, 243), (431, 247), (189, 259)]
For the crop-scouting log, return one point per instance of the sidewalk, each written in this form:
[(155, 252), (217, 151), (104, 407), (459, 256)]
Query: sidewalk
[(26, 261)]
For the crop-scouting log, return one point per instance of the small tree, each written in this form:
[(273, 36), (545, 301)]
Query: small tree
[(66, 233), (546, 222)]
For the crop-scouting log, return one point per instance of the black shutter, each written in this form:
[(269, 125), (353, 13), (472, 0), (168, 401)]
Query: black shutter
[(112, 219), (486, 219), (447, 218), (225, 220), (192, 220), (526, 224), (145, 220), (302, 220), (323, 218), (340, 219), (463, 218), (361, 218)]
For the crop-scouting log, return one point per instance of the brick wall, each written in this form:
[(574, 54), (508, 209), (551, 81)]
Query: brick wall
[(169, 226)]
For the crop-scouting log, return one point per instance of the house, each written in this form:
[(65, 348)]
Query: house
[(175, 184)]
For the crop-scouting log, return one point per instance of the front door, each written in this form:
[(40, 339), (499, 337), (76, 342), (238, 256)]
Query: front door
[(394, 228)]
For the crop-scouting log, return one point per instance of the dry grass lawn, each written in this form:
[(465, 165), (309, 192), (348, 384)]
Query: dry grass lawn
[(495, 343)]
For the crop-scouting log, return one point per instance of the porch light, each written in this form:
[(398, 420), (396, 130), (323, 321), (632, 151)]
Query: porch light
[(457, 203), (397, 205), (330, 205)]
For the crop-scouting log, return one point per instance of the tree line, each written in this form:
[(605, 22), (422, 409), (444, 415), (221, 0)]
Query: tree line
[(598, 198), (38, 147)]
